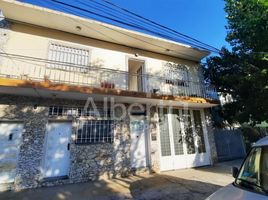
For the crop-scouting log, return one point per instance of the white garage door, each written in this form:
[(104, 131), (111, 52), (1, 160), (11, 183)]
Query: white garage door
[(183, 139), (10, 139)]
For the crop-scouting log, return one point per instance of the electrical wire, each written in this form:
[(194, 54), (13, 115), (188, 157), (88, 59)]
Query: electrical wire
[(152, 44), (126, 23), (157, 24), (122, 22)]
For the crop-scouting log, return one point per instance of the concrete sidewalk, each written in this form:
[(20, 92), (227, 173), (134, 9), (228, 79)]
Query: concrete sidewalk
[(192, 184)]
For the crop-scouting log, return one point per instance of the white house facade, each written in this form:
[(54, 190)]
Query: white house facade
[(81, 99)]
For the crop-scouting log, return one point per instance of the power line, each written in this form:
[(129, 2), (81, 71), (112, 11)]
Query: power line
[(118, 21), (152, 44), (109, 12), (97, 31), (156, 28), (129, 17), (125, 23), (165, 27), (151, 24)]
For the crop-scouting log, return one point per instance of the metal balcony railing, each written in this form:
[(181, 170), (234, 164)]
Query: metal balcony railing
[(28, 68)]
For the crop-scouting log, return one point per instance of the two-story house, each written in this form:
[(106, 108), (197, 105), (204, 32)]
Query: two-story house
[(81, 99)]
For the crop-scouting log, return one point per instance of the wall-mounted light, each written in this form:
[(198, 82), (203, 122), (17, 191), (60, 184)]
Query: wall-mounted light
[(54, 96), (35, 106), (136, 54), (78, 28)]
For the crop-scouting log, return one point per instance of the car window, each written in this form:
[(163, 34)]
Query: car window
[(264, 168), (250, 169), (254, 172)]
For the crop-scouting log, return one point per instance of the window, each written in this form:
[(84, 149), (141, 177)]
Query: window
[(199, 131), (78, 111), (189, 138), (176, 74), (254, 172), (95, 131), (164, 133), (66, 57)]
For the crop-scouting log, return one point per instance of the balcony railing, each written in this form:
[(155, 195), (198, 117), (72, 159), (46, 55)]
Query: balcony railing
[(28, 68)]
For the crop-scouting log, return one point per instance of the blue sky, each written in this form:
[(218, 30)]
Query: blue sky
[(201, 19)]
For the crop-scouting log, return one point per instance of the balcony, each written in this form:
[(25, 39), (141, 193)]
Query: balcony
[(18, 67)]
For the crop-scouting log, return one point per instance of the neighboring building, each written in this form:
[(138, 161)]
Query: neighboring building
[(52, 62)]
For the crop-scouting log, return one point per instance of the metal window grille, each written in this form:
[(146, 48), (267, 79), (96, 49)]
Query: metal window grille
[(176, 74), (78, 111), (95, 131), (64, 55)]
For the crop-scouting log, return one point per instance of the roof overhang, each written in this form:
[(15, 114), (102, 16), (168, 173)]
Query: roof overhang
[(36, 15)]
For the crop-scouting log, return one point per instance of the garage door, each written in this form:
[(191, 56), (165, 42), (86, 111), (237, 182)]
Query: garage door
[(10, 139), (183, 139)]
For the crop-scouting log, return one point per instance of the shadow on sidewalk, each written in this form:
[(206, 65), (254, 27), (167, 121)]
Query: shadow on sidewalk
[(138, 187), (168, 187)]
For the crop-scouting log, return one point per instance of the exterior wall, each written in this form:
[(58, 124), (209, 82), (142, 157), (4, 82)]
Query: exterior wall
[(88, 162), (34, 41), (34, 120), (211, 139), (104, 54), (154, 150)]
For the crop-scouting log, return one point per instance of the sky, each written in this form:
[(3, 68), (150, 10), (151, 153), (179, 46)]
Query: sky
[(201, 19)]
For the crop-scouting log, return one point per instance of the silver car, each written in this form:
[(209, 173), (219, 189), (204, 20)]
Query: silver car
[(251, 181)]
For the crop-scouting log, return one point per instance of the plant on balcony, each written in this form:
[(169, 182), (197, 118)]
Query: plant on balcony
[(106, 84)]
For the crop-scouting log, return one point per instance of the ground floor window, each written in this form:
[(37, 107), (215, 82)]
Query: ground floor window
[(78, 111), (95, 131)]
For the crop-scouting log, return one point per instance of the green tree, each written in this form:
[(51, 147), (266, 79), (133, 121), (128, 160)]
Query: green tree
[(243, 71)]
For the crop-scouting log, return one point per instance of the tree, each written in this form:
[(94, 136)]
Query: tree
[(243, 71)]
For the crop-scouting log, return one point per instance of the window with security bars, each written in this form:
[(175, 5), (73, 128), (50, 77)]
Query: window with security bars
[(95, 131), (78, 111), (176, 74), (65, 57)]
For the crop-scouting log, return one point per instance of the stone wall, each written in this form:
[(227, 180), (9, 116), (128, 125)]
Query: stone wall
[(34, 120), (211, 139), (88, 162), (154, 140)]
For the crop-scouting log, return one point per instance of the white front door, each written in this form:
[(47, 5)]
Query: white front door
[(138, 148), (10, 140), (183, 139), (57, 154)]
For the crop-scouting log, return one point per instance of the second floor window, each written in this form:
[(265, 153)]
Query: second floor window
[(68, 58), (176, 74)]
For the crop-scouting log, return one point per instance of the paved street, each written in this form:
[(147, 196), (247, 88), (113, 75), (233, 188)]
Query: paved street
[(188, 184)]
